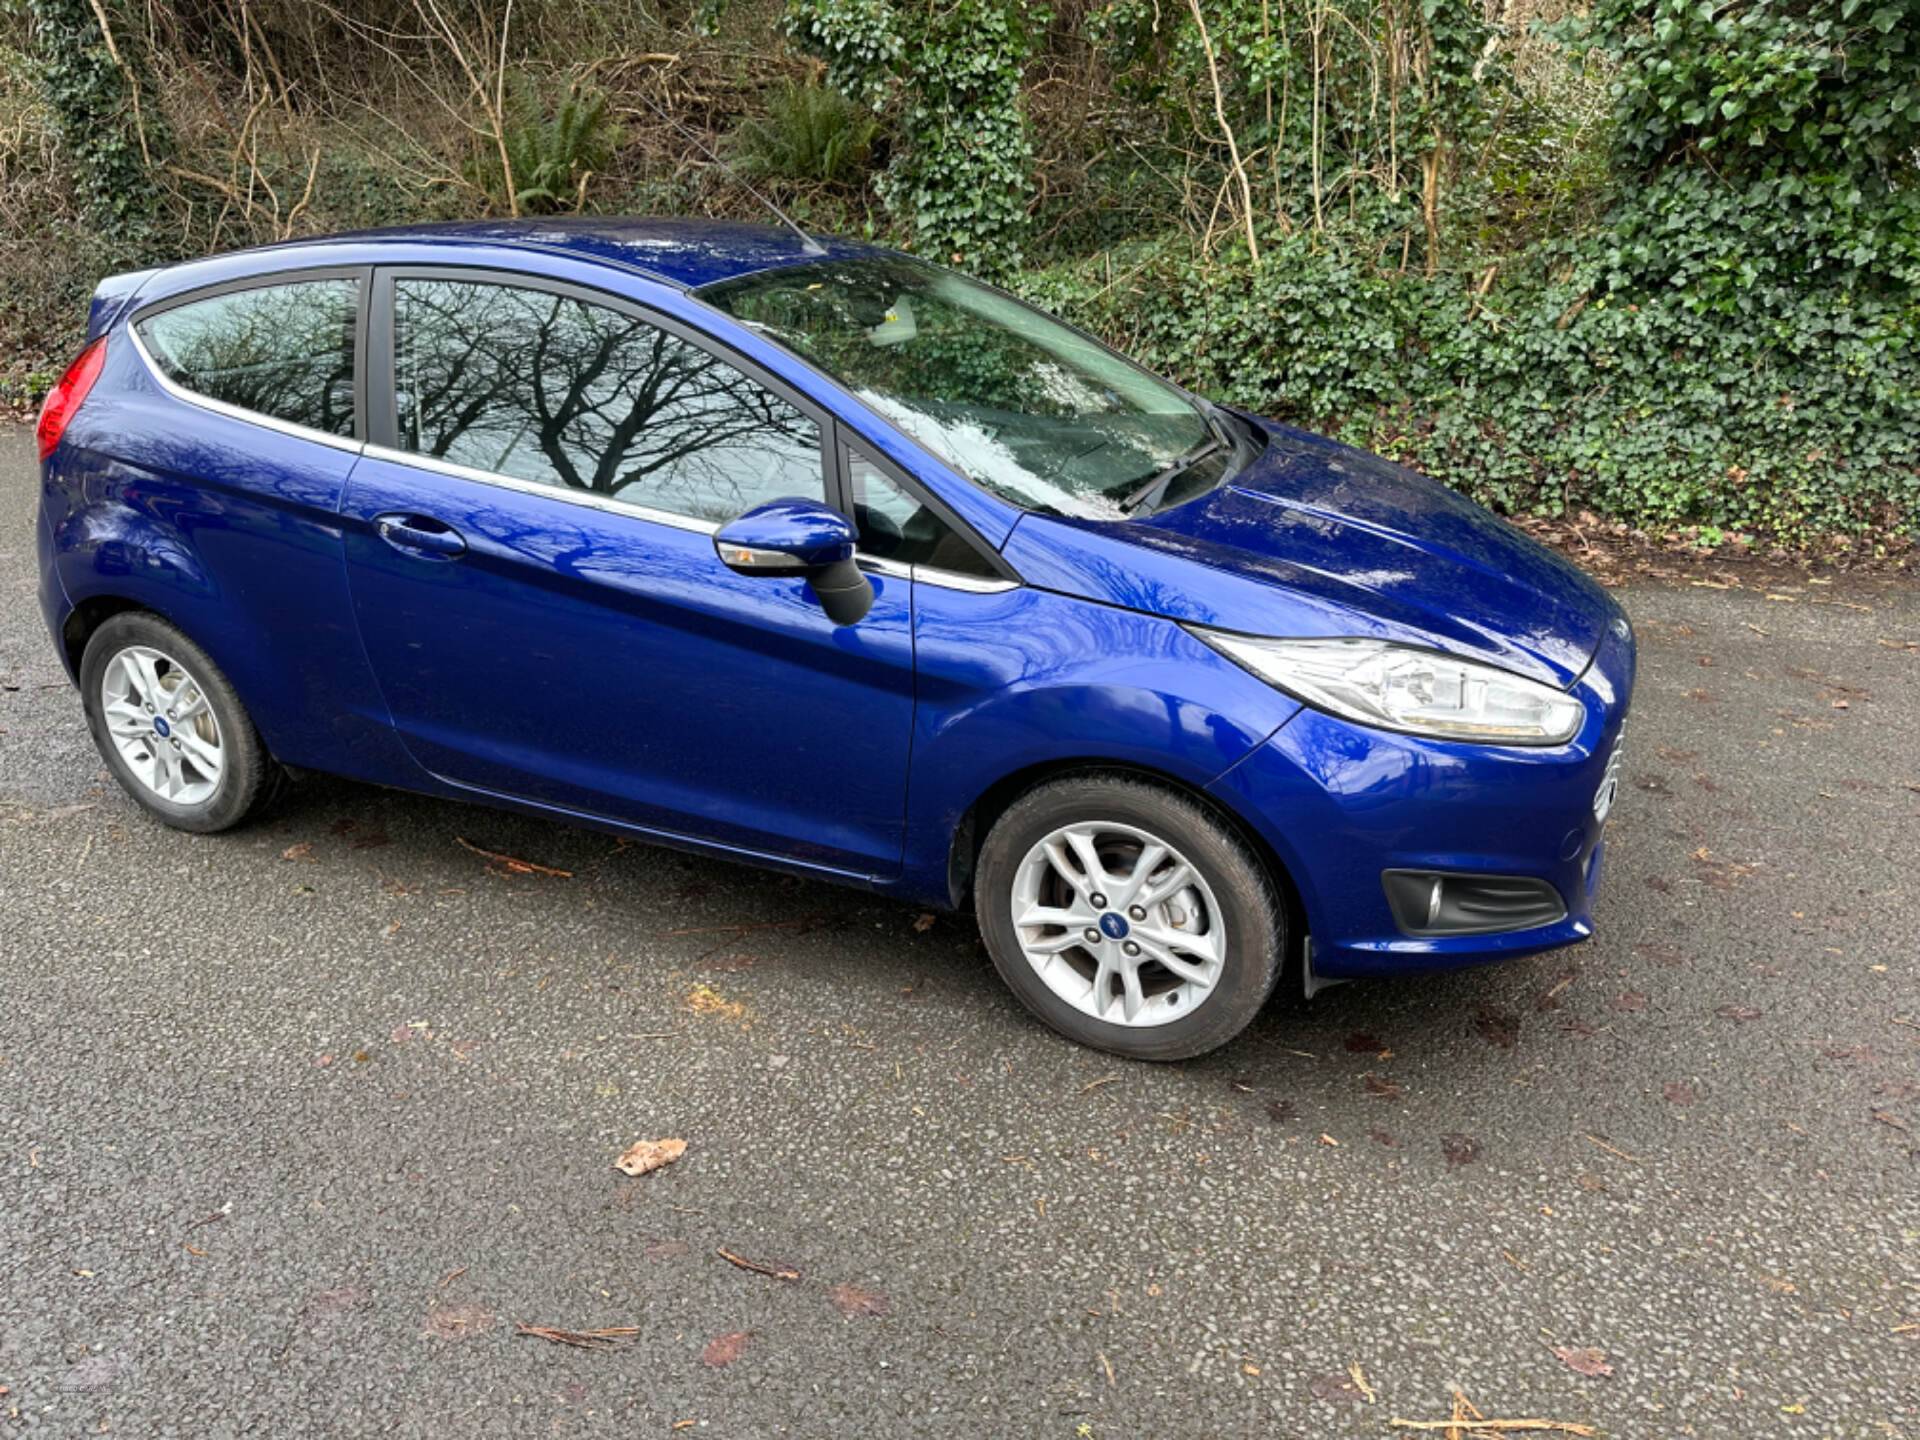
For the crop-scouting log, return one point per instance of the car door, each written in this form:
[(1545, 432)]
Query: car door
[(530, 550)]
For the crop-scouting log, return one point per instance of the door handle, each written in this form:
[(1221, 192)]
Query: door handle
[(419, 535)]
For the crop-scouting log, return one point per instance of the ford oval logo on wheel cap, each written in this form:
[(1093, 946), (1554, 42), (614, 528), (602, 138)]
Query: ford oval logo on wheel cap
[(1114, 926), (160, 727)]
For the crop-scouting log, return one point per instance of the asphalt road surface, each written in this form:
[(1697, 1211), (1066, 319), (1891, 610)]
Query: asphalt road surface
[(299, 1124)]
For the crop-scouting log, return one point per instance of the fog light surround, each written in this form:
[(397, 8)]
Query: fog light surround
[(1429, 904)]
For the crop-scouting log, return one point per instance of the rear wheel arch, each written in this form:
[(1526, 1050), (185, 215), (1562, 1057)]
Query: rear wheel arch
[(87, 617), (963, 855)]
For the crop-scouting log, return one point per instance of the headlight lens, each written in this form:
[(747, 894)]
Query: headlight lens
[(1397, 687)]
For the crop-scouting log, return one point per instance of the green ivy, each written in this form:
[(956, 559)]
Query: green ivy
[(960, 175), (103, 124)]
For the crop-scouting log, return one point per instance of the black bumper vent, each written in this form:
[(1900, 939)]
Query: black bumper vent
[(1429, 903)]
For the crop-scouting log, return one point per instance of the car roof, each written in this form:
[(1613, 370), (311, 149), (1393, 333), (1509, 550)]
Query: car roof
[(686, 253)]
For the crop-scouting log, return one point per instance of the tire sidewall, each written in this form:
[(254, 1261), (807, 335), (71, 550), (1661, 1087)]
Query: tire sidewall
[(1249, 912), (240, 775)]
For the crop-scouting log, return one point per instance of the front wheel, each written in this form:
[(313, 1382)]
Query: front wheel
[(170, 726), (1128, 918)]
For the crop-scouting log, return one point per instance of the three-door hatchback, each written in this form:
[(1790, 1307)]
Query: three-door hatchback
[(810, 554)]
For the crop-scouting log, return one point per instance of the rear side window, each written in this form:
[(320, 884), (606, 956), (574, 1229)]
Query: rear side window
[(548, 388), (279, 350), (895, 526)]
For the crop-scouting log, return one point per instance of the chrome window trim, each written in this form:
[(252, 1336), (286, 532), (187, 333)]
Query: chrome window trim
[(180, 392), (972, 584), (588, 498), (946, 579)]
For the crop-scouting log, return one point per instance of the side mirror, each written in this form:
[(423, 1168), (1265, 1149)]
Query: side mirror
[(800, 539)]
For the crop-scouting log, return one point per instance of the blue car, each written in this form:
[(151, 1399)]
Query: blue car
[(809, 554)]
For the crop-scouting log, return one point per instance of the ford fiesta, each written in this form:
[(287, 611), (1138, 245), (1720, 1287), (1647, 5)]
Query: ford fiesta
[(810, 554)]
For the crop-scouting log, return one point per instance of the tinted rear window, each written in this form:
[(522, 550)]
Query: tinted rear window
[(279, 350)]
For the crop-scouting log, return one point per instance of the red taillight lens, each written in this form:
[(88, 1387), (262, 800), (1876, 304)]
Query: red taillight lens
[(64, 400)]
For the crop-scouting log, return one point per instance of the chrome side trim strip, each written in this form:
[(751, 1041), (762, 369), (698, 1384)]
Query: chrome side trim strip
[(946, 579), (591, 499), (235, 412), (973, 584)]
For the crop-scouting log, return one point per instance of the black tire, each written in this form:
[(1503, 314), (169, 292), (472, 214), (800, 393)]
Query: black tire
[(1250, 911), (249, 776)]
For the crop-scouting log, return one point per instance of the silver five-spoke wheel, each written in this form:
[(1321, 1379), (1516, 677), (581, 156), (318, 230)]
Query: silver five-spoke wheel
[(1119, 924), (158, 718)]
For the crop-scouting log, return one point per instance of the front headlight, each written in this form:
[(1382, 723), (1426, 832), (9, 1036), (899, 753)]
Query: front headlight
[(1396, 687)]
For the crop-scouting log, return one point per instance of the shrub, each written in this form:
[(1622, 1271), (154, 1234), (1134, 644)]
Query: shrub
[(550, 148), (810, 133)]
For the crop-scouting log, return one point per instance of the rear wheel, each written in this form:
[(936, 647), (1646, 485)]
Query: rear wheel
[(1128, 918), (170, 726)]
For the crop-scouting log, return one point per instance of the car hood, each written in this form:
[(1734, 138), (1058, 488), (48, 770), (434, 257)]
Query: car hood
[(1317, 538)]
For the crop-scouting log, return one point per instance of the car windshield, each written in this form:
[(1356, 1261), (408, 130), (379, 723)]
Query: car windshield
[(1019, 403)]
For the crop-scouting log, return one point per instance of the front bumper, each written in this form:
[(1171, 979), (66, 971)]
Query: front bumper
[(1341, 803)]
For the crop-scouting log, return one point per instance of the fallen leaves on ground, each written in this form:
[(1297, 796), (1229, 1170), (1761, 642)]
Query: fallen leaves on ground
[(705, 1000), (1632, 1001), (725, 1349), (302, 851), (458, 1319), (924, 923), (854, 1300), (1381, 1089), (1281, 1111), (1497, 1027), (1585, 1360), (1739, 1014), (617, 1337), (1337, 1386), (662, 1250), (1459, 1149), (1887, 1117), (1361, 1043), (1676, 1092), (644, 1155)]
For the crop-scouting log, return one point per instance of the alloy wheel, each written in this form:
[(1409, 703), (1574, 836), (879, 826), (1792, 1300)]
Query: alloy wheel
[(1119, 924), (162, 725)]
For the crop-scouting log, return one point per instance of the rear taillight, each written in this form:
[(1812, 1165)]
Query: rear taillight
[(64, 400)]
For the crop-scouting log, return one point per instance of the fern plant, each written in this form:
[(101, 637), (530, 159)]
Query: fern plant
[(551, 149), (810, 133)]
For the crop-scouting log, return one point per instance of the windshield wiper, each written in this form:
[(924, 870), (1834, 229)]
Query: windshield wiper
[(1157, 486)]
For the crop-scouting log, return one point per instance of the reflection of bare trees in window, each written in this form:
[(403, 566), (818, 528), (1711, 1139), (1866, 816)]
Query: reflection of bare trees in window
[(543, 387), (279, 350)]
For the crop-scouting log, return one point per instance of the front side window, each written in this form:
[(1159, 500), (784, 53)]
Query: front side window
[(1014, 400), (279, 350), (896, 526), (548, 388)]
